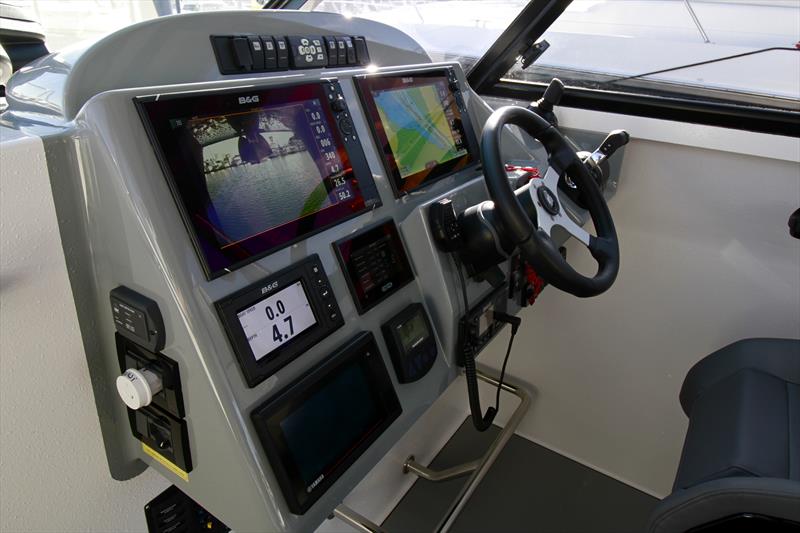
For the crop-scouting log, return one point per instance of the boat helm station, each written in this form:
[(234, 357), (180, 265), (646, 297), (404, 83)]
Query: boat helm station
[(289, 233)]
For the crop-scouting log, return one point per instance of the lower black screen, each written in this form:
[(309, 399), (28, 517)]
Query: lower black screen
[(329, 423), (317, 428)]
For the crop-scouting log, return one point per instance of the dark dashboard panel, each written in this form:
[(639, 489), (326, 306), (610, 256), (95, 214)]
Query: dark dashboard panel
[(256, 170)]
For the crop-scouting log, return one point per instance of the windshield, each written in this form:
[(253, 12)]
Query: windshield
[(449, 30), (630, 45), (637, 45)]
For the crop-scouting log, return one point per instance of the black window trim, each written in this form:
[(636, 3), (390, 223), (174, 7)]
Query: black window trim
[(711, 113)]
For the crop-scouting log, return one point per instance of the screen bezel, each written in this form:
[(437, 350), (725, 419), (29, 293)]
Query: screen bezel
[(361, 350), (255, 371), (219, 100), (367, 302), (471, 159)]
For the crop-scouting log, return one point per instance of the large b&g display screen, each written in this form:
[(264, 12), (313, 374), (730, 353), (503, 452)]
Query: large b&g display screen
[(419, 125), (253, 171)]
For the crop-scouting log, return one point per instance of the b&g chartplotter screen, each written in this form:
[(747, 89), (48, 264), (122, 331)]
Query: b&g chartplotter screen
[(420, 124), (257, 170)]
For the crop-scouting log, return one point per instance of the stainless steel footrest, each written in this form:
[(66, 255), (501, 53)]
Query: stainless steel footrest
[(475, 469)]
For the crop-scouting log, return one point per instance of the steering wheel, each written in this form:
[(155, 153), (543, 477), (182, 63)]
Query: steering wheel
[(534, 237)]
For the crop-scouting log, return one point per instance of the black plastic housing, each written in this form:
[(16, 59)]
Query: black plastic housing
[(138, 318), (320, 296), (411, 363), (374, 263)]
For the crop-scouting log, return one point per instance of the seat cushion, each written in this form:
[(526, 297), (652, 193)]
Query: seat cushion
[(778, 357), (746, 424)]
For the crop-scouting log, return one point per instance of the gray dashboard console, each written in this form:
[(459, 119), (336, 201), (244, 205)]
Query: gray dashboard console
[(217, 199), (244, 202)]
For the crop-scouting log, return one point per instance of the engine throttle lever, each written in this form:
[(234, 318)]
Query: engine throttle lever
[(552, 96), (613, 142)]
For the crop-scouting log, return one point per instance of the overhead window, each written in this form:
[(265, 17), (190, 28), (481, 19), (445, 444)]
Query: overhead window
[(726, 50)]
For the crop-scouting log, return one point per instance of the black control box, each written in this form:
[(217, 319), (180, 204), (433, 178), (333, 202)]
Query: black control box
[(375, 264), (245, 53), (307, 52), (412, 346), (478, 326), (137, 318), (272, 322), (172, 511)]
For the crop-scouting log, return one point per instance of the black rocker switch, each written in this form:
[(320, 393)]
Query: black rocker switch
[(241, 53)]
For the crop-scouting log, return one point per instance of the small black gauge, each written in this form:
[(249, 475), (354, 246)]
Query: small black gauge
[(411, 343)]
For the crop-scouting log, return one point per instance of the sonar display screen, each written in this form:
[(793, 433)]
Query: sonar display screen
[(254, 173), (419, 126)]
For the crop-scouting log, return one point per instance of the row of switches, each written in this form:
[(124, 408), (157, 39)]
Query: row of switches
[(238, 54)]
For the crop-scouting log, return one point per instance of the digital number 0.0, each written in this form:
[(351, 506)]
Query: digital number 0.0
[(271, 313)]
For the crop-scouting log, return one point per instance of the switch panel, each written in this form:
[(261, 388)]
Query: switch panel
[(133, 356), (242, 54), (172, 511), (163, 433)]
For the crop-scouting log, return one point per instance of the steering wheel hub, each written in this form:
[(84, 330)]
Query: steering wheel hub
[(548, 200)]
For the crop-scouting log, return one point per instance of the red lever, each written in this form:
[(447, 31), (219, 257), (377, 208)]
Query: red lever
[(535, 282)]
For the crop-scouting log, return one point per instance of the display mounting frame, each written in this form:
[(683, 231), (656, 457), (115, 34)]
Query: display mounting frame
[(470, 160)]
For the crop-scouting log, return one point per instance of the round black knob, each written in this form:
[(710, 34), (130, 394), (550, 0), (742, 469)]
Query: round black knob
[(346, 125), (338, 105)]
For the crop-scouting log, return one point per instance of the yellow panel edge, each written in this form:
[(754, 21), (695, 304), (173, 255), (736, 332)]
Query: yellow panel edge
[(166, 463)]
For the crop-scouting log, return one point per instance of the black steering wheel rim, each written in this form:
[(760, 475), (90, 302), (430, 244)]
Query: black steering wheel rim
[(535, 244)]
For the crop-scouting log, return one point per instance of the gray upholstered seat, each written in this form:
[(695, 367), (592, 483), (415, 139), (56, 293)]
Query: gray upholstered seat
[(741, 455)]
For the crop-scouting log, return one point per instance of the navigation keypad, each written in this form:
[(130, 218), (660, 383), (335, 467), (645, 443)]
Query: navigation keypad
[(237, 54)]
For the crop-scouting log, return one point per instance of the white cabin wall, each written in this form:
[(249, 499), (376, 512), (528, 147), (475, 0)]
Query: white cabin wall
[(706, 259), (54, 475)]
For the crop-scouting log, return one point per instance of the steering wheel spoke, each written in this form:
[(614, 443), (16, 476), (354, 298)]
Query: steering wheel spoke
[(551, 177), (550, 208), (573, 228)]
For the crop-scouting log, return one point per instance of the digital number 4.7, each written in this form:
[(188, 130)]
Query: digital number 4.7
[(279, 336)]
